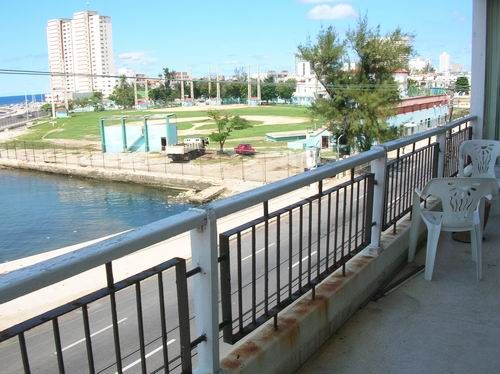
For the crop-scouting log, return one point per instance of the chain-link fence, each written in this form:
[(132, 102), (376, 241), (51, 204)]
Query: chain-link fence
[(262, 167)]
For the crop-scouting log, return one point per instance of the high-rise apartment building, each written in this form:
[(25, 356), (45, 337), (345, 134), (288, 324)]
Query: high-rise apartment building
[(444, 62), (81, 47)]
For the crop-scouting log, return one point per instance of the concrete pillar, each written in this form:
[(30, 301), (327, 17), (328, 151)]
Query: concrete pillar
[(53, 99), (136, 101), (218, 88), (209, 83), (103, 136), (478, 66), (124, 135), (146, 91), (192, 89), (182, 89), (249, 88), (206, 304), (379, 168), (258, 86), (441, 139), (146, 135)]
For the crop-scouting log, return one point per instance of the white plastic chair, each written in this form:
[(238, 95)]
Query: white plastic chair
[(460, 198), (483, 155)]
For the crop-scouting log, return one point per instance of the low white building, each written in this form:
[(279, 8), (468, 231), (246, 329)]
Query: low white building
[(308, 87)]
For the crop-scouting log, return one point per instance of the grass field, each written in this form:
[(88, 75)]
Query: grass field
[(85, 126)]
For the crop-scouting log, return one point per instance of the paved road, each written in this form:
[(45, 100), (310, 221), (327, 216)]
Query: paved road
[(40, 340)]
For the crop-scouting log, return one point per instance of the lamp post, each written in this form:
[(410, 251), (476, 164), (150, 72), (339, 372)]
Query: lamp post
[(338, 146)]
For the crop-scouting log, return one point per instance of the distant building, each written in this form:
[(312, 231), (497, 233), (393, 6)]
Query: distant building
[(278, 76), (418, 64), (444, 62), (81, 46), (401, 78), (417, 114), (308, 87), (182, 76)]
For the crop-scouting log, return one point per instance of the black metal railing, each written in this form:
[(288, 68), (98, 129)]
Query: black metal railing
[(405, 173), (455, 137), (175, 344), (269, 262)]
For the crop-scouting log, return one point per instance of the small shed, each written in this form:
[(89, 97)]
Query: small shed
[(321, 138)]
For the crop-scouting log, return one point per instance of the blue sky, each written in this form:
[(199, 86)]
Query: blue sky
[(192, 35)]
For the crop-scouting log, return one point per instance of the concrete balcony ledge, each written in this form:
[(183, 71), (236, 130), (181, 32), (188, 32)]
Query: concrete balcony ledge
[(448, 325), (307, 324)]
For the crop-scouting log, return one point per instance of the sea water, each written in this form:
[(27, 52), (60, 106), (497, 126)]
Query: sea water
[(40, 212)]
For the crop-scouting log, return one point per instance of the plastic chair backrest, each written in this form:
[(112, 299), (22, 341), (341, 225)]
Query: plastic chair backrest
[(460, 197), (483, 155)]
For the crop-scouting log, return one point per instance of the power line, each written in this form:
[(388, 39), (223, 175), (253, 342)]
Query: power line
[(320, 86)]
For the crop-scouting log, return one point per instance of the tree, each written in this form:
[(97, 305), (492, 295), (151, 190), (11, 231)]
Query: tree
[(233, 90), (96, 101), (285, 90), (269, 90), (225, 125), (168, 90), (47, 108), (462, 85), (359, 100), (428, 68), (123, 93)]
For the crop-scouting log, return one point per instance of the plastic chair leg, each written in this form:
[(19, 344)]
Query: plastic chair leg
[(432, 242)]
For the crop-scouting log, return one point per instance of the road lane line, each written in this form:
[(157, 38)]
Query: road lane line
[(91, 335), (260, 250), (305, 258), (147, 356)]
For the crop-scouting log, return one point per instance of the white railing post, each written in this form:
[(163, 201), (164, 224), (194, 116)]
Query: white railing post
[(478, 65), (379, 168), (441, 139), (205, 292)]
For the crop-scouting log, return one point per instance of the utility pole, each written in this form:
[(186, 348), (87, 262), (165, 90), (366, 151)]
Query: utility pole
[(249, 86), (218, 87)]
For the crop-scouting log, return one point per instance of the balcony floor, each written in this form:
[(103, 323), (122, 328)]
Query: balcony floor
[(448, 325)]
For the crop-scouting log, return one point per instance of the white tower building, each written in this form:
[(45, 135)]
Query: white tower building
[(444, 62), (83, 46)]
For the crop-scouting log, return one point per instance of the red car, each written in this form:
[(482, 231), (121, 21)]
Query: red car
[(244, 149)]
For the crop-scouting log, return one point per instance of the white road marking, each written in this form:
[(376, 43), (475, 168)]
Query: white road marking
[(305, 258), (147, 356), (91, 335), (260, 250)]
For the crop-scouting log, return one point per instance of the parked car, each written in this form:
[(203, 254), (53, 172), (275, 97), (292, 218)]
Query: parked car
[(244, 149)]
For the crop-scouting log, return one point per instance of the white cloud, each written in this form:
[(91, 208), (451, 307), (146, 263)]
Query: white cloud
[(338, 11), (136, 58), (319, 1)]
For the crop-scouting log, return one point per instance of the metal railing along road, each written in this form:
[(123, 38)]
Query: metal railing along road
[(310, 240), (264, 265), (20, 119)]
